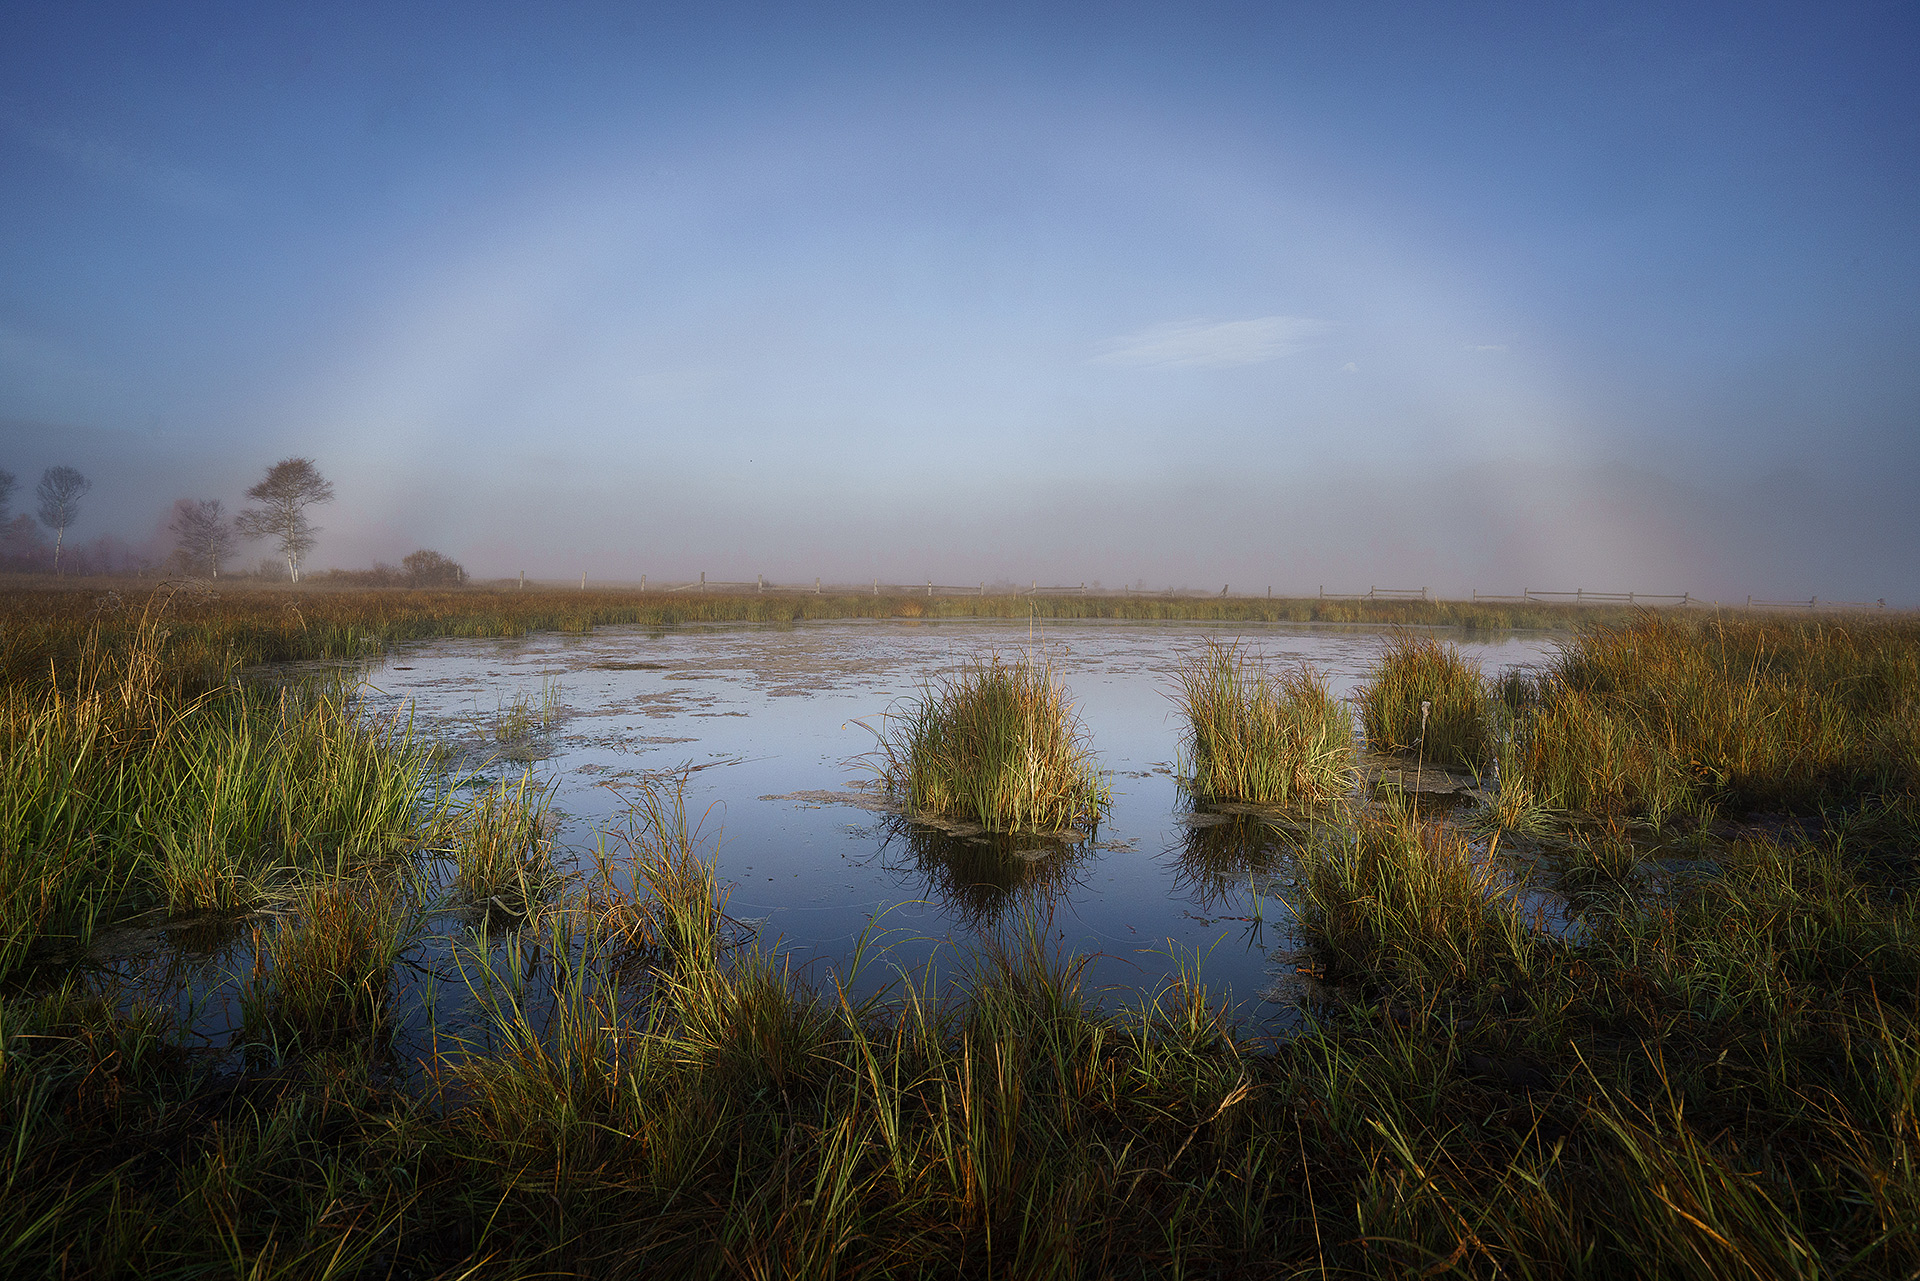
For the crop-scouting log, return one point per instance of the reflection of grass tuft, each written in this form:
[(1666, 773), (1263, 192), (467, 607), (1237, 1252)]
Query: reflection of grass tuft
[(1260, 738), (996, 744), (981, 879)]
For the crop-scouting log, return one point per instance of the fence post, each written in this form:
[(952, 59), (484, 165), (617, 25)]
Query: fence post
[(816, 585), (1423, 593), (759, 584), (523, 580), (983, 587), (1083, 587), (643, 584), (703, 580), (583, 580), (929, 587), (876, 587)]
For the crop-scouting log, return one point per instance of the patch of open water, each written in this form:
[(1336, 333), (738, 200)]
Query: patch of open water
[(764, 722)]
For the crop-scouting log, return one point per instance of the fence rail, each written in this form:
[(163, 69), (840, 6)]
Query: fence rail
[(1378, 593), (1581, 596), (1814, 602)]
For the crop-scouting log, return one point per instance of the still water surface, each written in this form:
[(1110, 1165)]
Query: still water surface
[(766, 725)]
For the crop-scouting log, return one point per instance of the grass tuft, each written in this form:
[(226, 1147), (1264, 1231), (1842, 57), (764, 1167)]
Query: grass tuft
[(324, 975), (997, 744), (1406, 902), (1260, 738), (500, 850), (1424, 698), (1662, 716)]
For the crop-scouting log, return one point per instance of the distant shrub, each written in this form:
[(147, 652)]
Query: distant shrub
[(430, 569)]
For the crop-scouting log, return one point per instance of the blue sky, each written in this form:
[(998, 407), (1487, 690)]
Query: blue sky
[(1466, 296)]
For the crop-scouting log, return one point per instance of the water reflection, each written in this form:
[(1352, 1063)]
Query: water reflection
[(1220, 855), (978, 877)]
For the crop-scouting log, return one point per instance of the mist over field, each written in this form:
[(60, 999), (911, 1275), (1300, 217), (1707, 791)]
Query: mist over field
[(1622, 300)]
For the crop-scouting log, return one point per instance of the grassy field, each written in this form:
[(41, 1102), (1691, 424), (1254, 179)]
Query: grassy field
[(42, 621), (1715, 1074)]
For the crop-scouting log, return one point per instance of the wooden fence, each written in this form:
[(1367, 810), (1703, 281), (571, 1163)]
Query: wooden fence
[(1814, 602), (1528, 595), (1374, 593)]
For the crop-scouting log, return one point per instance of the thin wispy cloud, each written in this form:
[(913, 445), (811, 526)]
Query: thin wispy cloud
[(1212, 344), (106, 161)]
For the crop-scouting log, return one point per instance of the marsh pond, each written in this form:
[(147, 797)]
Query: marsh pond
[(769, 730)]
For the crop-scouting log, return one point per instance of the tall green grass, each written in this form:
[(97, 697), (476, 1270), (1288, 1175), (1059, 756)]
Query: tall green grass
[(1660, 717), (1424, 697), (118, 790), (1265, 739), (1390, 898), (997, 744), (1727, 1086)]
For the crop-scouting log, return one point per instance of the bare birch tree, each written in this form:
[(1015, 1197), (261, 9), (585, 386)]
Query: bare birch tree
[(290, 487), (203, 538), (7, 485), (60, 491)]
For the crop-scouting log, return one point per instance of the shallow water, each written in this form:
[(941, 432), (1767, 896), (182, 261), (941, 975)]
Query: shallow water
[(766, 725), (765, 721)]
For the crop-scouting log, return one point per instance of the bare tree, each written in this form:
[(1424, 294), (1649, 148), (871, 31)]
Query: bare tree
[(431, 569), (7, 485), (203, 536), (291, 486), (60, 491)]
